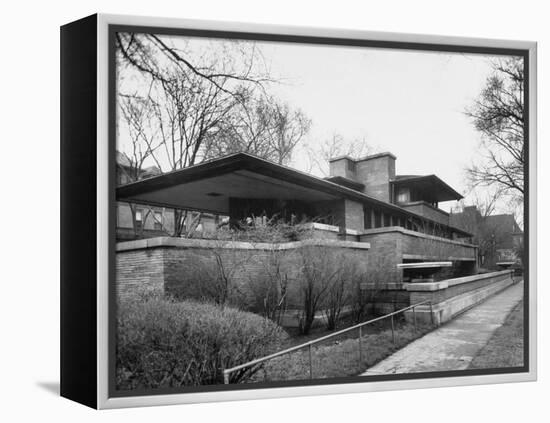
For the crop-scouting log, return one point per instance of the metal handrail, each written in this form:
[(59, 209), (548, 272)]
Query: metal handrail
[(309, 344)]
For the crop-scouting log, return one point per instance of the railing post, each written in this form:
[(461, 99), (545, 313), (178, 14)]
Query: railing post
[(310, 363), (414, 318), (225, 377), (432, 313), (392, 330), (360, 349)]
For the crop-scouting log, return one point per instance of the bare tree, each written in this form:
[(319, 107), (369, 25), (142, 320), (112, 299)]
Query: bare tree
[(498, 114), (192, 92), (244, 130), (335, 146), (204, 103), (153, 55), (287, 129), (264, 127), (138, 115)]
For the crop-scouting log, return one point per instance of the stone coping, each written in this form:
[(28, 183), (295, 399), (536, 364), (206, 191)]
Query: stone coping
[(404, 231), (426, 257), (437, 286), (474, 278), (239, 245), (361, 159), (425, 265), (330, 228)]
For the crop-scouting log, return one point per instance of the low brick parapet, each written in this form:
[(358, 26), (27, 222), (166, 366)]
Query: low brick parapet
[(453, 296), (165, 264)]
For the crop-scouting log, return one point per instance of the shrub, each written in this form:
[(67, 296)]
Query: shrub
[(163, 343), (267, 291), (324, 283), (341, 292), (214, 278), (274, 230)]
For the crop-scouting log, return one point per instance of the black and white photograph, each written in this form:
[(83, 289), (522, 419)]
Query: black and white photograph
[(305, 212), (248, 211)]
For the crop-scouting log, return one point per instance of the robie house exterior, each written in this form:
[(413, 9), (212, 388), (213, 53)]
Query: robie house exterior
[(384, 220)]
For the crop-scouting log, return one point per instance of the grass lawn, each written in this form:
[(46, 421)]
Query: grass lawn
[(339, 357), (505, 348)]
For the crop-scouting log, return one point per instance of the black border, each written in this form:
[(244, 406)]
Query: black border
[(350, 42), (78, 211)]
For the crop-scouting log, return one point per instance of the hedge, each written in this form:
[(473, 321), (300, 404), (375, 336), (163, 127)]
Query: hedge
[(164, 344)]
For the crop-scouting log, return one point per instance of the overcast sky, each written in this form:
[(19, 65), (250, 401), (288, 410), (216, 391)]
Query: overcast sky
[(407, 102)]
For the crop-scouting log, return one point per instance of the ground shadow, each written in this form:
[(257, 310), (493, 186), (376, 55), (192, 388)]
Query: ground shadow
[(51, 387)]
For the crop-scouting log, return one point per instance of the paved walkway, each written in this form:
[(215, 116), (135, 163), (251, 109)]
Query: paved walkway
[(453, 345)]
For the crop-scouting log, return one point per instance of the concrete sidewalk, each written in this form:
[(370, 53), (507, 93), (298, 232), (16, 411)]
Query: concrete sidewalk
[(453, 345)]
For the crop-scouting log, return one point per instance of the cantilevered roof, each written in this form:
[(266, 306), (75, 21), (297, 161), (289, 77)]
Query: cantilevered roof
[(208, 186), (349, 183), (433, 189)]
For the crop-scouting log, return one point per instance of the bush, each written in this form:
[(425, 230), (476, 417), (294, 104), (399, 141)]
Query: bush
[(273, 230), (267, 291), (214, 278), (324, 284), (163, 343)]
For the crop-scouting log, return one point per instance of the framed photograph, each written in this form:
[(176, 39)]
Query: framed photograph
[(253, 211)]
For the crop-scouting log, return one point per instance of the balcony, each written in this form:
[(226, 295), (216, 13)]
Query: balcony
[(425, 209)]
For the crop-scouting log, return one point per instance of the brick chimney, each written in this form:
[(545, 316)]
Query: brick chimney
[(375, 172), (343, 166)]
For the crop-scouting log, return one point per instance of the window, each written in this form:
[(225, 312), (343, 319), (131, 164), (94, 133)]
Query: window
[(403, 195), (386, 219), (377, 219), (139, 219), (158, 220), (367, 217)]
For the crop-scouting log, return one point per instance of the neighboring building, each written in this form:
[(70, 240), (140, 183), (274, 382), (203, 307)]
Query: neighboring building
[(363, 199), (499, 237), (137, 220)]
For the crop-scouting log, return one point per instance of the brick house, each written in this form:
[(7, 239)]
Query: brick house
[(386, 227), (362, 200)]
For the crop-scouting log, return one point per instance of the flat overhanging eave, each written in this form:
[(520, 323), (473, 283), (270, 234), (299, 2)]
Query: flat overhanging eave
[(433, 187)]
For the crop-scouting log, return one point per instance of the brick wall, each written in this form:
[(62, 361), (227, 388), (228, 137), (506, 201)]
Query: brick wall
[(174, 266), (427, 247), (354, 216), (392, 245), (384, 256), (139, 270)]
